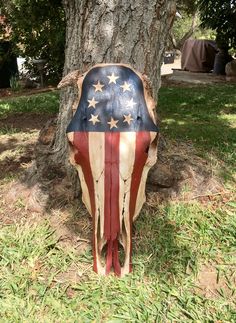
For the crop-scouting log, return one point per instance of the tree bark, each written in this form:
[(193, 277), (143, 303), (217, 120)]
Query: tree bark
[(133, 32), (105, 31)]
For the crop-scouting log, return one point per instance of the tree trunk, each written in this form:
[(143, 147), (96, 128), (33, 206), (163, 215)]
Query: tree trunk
[(132, 32), (108, 31)]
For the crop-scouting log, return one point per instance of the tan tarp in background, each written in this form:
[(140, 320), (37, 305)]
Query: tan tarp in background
[(198, 55)]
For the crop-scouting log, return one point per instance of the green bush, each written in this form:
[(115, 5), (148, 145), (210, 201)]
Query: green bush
[(38, 31)]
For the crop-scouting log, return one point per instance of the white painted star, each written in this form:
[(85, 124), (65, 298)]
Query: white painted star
[(94, 119), (131, 103), (98, 86), (92, 103), (128, 119), (112, 78), (126, 87), (113, 123)]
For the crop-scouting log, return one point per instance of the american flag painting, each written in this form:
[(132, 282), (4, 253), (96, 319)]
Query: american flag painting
[(111, 134)]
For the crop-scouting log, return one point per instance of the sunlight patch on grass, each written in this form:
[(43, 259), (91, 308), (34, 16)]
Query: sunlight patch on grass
[(231, 119), (12, 153), (9, 130), (43, 102), (206, 117), (4, 108)]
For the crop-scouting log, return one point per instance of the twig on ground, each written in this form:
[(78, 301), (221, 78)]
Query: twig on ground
[(84, 240), (213, 194)]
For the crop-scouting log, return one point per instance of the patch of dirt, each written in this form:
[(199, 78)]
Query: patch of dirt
[(72, 276), (16, 152), (167, 82), (170, 80), (190, 79), (181, 174), (19, 203), (72, 231), (211, 284), (24, 122), (15, 212), (71, 225), (17, 143)]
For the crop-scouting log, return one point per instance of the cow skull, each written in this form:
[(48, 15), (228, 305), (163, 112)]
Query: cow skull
[(113, 144)]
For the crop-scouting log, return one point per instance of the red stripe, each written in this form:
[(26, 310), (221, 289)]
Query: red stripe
[(109, 256), (142, 144), (111, 203), (111, 187), (116, 262), (81, 142)]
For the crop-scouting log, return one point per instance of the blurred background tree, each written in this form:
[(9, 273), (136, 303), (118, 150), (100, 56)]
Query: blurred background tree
[(38, 28), (188, 24), (37, 31), (220, 15), (208, 19)]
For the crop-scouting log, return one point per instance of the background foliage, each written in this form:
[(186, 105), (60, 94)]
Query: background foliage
[(183, 28), (38, 27), (206, 19), (188, 25), (37, 30), (220, 15)]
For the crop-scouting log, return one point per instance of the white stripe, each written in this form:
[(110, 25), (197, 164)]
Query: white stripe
[(85, 191), (97, 164), (151, 160), (127, 158)]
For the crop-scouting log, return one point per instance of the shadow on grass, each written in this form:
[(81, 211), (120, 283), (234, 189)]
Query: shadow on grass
[(159, 249), (156, 248), (13, 156), (23, 123), (205, 116), (21, 117)]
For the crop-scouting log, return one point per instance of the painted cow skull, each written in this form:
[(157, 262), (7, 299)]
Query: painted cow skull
[(113, 142)]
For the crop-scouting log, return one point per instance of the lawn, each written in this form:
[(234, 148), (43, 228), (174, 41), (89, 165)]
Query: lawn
[(205, 116), (184, 252)]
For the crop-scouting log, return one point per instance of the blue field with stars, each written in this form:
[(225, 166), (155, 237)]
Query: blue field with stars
[(112, 100)]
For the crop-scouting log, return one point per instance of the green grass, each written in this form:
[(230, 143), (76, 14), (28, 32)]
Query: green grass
[(172, 241), (204, 116), (167, 255), (38, 103)]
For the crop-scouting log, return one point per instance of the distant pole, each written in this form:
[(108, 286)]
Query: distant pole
[(40, 63)]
